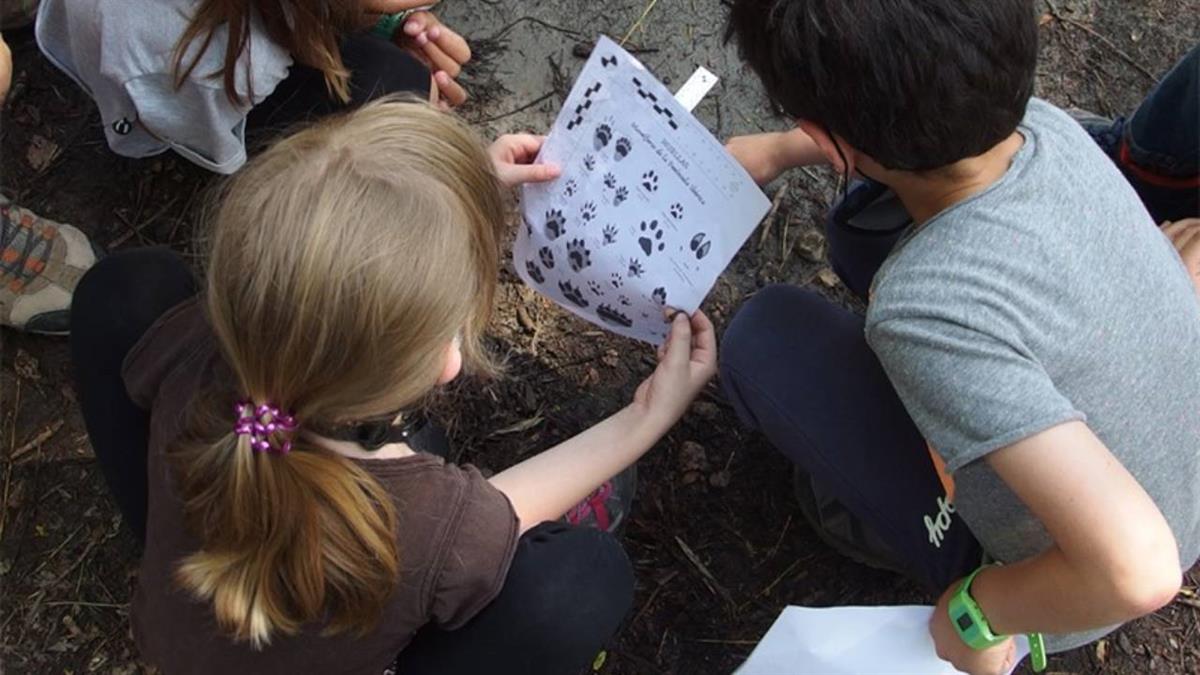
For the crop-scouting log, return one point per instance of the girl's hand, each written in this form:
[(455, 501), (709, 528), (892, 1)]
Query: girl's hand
[(1185, 234), (513, 156), (996, 660), (442, 49), (686, 362)]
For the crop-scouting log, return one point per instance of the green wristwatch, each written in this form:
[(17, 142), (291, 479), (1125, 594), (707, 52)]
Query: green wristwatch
[(973, 628)]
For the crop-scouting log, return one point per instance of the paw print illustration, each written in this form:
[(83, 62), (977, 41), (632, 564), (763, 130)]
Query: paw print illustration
[(650, 181), (556, 224), (578, 256), (610, 181), (602, 137), (620, 196), (572, 294), (651, 239), (659, 296), (595, 288), (624, 301), (535, 272), (677, 210), (622, 148), (610, 234), (588, 212), (571, 188), (589, 161), (547, 257), (610, 315), (700, 247), (635, 269), (616, 280)]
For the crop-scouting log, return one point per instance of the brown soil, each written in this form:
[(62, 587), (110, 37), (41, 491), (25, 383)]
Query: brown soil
[(719, 545)]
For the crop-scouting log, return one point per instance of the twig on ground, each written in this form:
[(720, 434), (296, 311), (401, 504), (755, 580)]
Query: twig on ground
[(654, 596), (769, 221), (771, 586), (84, 603), (37, 441), (1058, 16), (638, 24), (709, 580), (523, 108)]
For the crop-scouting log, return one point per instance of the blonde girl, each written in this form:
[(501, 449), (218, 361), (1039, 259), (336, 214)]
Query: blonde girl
[(195, 76), (261, 430)]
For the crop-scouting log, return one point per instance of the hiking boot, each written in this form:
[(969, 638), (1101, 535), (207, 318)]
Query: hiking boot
[(606, 508), (41, 262), (839, 528)]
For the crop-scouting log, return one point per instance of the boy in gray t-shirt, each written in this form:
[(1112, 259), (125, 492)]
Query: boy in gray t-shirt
[(1024, 386)]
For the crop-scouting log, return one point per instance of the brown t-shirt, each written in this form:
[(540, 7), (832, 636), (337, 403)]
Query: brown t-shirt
[(456, 536)]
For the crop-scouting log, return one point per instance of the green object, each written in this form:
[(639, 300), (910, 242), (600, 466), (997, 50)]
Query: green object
[(972, 626), (387, 24)]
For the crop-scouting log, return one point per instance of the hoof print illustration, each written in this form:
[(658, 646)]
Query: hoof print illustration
[(610, 315), (616, 280), (610, 234), (547, 257), (602, 137), (578, 255), (588, 212), (620, 196), (595, 288), (610, 181), (659, 296), (651, 239), (621, 150), (571, 188), (572, 294), (635, 268), (535, 272), (700, 247), (650, 181), (556, 224), (589, 161), (677, 210)]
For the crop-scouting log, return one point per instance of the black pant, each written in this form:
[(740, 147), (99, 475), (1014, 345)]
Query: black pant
[(797, 367), (567, 590), (377, 68)]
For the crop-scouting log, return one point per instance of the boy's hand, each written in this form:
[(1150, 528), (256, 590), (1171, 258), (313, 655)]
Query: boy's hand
[(513, 156), (766, 156), (686, 362), (997, 660), (442, 49), (1185, 234)]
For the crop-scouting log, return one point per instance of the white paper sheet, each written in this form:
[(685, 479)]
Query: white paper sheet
[(648, 212), (851, 641)]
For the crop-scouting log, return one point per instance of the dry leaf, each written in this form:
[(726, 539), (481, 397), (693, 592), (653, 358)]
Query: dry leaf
[(828, 277), (26, 366)]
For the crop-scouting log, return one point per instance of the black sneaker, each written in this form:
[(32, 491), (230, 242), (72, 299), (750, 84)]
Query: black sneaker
[(839, 528), (606, 508)]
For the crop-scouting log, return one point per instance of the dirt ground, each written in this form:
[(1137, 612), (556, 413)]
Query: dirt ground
[(717, 540)]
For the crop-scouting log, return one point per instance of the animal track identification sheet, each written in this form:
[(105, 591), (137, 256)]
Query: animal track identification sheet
[(648, 212)]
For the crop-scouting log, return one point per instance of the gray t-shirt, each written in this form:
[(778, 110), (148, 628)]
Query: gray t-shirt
[(1049, 297), (122, 53)]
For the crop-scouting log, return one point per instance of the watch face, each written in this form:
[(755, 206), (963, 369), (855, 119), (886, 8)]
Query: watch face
[(964, 621)]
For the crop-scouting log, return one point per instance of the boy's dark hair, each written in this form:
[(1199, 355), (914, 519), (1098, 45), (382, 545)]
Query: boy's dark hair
[(914, 84)]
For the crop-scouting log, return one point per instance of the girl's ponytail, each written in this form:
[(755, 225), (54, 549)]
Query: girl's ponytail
[(343, 263)]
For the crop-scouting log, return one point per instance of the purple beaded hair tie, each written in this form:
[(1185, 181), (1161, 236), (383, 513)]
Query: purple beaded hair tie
[(260, 423)]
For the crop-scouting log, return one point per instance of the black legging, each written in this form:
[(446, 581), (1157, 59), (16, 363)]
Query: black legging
[(567, 590)]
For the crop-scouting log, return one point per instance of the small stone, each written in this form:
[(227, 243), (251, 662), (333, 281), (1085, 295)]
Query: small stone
[(811, 245), (693, 457), (41, 152), (611, 358), (691, 477), (828, 277)]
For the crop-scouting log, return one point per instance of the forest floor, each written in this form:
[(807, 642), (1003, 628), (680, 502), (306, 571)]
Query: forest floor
[(717, 540)]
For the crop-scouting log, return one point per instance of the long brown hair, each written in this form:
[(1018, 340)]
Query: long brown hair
[(308, 29), (343, 262)]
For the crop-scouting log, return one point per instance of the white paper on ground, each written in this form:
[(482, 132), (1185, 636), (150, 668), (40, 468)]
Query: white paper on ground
[(649, 209), (852, 641)]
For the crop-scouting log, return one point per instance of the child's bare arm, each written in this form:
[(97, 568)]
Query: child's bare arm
[(765, 156), (546, 486)]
